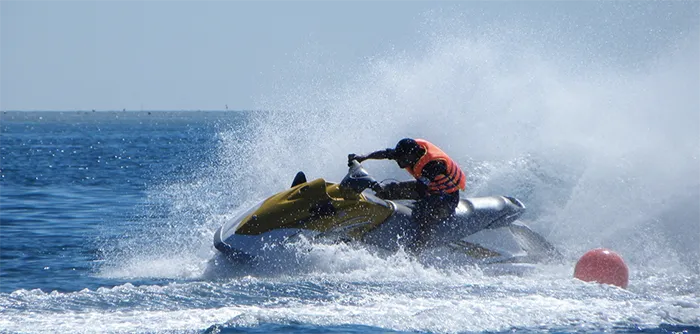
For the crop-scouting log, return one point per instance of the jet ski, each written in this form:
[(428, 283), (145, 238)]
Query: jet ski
[(482, 231)]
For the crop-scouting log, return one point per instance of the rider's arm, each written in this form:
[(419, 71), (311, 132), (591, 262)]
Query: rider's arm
[(433, 169), (430, 172), (383, 154), (402, 190)]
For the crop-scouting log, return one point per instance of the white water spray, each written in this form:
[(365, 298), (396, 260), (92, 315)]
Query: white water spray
[(602, 152), (602, 155)]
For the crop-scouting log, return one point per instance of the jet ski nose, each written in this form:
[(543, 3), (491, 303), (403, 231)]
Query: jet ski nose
[(515, 201)]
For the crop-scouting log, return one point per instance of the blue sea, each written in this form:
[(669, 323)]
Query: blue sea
[(107, 222)]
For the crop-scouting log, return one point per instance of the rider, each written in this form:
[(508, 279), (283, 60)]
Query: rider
[(436, 188)]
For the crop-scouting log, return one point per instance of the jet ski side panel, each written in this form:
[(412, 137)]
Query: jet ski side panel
[(316, 208), (315, 205), (477, 214), (398, 231), (471, 216)]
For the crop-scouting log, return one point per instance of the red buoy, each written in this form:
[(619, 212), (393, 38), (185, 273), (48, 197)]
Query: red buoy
[(603, 266)]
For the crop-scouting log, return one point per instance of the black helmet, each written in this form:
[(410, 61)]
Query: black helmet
[(407, 146)]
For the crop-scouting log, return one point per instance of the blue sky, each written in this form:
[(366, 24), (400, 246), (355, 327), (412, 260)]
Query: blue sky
[(190, 55)]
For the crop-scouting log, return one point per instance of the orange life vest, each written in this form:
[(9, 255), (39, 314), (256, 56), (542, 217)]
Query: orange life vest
[(454, 179)]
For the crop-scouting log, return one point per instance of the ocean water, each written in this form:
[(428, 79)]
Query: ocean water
[(107, 217), (107, 224)]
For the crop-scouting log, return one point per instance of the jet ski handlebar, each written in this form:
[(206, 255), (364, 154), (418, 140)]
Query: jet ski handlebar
[(358, 179)]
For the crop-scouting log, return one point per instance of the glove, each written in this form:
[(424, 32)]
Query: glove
[(353, 156), (380, 192)]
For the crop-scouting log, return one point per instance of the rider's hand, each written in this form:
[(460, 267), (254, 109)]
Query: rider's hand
[(353, 156), (380, 191)]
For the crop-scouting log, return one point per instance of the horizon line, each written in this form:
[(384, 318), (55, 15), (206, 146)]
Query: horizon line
[(133, 110)]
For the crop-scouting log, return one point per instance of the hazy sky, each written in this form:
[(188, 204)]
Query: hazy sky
[(176, 55)]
